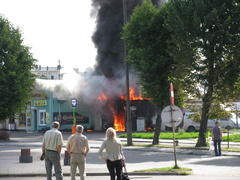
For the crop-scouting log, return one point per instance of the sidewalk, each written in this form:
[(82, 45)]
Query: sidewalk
[(137, 158)]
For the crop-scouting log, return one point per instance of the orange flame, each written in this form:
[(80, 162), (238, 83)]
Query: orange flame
[(102, 97), (132, 95), (118, 120), (119, 117)]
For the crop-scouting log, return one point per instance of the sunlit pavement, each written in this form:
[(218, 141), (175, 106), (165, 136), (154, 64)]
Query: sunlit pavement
[(156, 177), (202, 163)]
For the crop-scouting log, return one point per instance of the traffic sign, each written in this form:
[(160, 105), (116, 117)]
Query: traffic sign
[(166, 116), (74, 102)]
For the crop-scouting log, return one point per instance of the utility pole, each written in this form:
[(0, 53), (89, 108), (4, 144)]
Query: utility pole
[(129, 121)]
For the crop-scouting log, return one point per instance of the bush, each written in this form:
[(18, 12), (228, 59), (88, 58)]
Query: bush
[(4, 136)]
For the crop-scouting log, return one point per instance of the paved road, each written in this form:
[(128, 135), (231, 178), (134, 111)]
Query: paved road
[(137, 178), (201, 162)]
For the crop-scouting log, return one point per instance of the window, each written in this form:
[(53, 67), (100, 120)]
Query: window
[(42, 117), (22, 120)]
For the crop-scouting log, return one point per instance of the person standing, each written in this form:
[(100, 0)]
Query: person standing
[(217, 138), (78, 148), (52, 146), (114, 154)]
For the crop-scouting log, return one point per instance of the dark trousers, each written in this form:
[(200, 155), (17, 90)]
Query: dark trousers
[(217, 147), (115, 166)]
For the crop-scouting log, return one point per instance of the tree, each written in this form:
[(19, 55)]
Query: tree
[(146, 40), (205, 43), (16, 80)]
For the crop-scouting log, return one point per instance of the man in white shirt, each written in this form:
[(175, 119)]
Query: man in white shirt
[(52, 146)]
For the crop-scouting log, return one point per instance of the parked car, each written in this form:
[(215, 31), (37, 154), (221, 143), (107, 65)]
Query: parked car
[(191, 126)]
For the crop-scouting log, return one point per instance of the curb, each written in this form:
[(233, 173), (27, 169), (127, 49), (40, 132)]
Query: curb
[(98, 174), (149, 149)]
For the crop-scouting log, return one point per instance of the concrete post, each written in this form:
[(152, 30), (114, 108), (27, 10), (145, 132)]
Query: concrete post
[(25, 156)]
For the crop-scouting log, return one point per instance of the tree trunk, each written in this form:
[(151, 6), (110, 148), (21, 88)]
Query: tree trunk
[(157, 129), (207, 100)]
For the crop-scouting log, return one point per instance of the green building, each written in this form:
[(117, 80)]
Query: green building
[(46, 107)]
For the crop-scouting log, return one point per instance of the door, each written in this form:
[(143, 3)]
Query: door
[(29, 118), (42, 118)]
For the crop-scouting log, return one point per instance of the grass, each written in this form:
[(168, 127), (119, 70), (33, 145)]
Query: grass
[(232, 137), (186, 135), (163, 135), (179, 170), (193, 135)]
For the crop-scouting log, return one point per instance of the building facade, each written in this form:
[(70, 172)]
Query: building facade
[(47, 72), (47, 107)]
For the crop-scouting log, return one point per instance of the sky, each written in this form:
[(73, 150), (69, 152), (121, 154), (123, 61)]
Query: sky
[(55, 30)]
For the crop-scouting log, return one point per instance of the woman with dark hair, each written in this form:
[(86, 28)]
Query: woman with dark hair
[(114, 154)]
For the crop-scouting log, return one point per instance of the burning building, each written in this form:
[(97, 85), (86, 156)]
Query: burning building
[(110, 64), (114, 112), (100, 92)]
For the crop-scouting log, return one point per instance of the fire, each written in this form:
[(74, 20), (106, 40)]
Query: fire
[(118, 117), (148, 128), (118, 120), (132, 95), (103, 97)]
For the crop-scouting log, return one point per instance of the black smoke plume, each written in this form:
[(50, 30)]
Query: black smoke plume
[(107, 37), (110, 62)]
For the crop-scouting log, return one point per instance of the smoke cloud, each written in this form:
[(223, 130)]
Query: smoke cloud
[(107, 37), (108, 75)]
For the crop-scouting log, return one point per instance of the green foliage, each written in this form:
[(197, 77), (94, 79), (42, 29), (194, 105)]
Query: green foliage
[(205, 43), (146, 41), (206, 46), (232, 137), (217, 111), (192, 43), (196, 112), (16, 80)]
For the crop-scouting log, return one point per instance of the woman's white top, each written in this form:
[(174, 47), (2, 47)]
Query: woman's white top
[(113, 150)]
